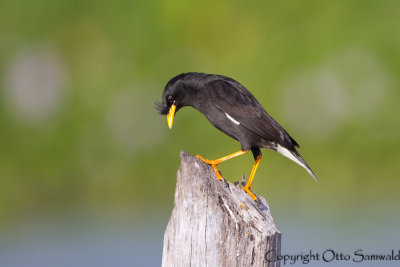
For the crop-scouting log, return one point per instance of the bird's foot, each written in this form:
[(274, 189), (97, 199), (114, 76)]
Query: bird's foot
[(217, 173), (247, 190), (209, 162), (213, 164)]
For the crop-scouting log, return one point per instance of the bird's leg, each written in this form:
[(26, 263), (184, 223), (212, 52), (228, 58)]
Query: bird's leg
[(253, 172), (215, 162)]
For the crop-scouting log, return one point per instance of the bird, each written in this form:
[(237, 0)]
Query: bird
[(233, 110)]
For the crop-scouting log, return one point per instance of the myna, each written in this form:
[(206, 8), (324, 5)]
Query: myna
[(232, 109)]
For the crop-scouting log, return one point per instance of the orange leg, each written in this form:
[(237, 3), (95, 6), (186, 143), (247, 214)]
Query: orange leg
[(250, 181), (214, 163)]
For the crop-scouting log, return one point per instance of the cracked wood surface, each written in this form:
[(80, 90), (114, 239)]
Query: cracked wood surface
[(215, 223)]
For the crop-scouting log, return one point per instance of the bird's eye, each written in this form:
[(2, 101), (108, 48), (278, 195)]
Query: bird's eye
[(170, 99)]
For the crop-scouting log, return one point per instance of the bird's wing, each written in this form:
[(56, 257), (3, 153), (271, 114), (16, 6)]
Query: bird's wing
[(235, 100)]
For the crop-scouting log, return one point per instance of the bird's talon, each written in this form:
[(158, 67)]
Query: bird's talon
[(209, 162), (217, 172), (247, 190)]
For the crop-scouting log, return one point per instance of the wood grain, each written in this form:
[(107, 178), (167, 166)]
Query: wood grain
[(215, 223)]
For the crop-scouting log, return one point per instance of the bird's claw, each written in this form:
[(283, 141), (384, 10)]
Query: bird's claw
[(247, 190), (217, 173), (207, 161), (212, 164)]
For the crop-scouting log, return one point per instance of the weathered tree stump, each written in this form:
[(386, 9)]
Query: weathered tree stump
[(215, 223)]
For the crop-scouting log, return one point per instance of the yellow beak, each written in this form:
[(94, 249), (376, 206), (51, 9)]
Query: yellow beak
[(171, 115)]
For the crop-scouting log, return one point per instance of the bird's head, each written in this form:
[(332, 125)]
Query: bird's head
[(174, 97)]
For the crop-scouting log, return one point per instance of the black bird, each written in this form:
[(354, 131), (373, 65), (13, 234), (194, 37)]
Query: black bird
[(232, 109)]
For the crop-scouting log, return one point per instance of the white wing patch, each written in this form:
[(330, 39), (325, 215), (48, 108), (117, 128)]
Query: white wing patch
[(232, 119)]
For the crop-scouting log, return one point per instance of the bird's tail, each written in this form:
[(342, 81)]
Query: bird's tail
[(295, 156)]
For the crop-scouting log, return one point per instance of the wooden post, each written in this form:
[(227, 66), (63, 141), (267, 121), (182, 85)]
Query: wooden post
[(215, 223)]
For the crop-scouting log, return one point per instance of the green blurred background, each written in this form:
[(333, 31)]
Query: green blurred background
[(86, 163)]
